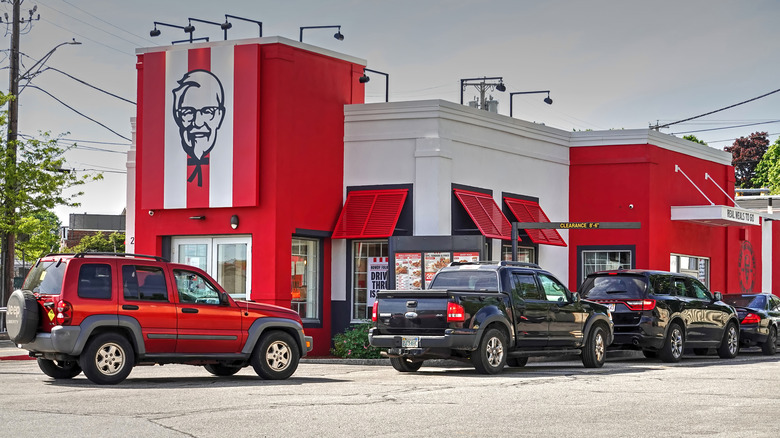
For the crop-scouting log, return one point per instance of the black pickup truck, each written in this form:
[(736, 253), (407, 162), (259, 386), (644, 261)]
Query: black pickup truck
[(493, 314)]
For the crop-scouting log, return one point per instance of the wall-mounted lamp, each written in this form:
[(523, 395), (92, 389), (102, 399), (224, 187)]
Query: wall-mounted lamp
[(482, 85), (151, 212), (547, 99), (234, 221), (198, 218), (338, 35), (363, 79), (227, 25), (187, 29)]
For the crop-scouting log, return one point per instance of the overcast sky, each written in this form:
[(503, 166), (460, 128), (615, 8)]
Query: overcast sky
[(609, 64)]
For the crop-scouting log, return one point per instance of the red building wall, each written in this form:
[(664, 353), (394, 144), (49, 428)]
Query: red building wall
[(300, 169), (638, 183)]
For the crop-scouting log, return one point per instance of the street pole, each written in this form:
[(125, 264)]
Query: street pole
[(9, 209)]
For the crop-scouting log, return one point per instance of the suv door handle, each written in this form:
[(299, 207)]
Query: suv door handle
[(188, 310), (129, 307)]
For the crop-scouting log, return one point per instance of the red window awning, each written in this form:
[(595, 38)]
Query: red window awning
[(370, 214), (530, 211), (485, 213)]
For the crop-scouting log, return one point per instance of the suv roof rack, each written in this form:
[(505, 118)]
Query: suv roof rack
[(501, 263), (115, 254)]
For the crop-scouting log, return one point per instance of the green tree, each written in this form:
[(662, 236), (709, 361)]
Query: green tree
[(694, 139), (768, 169), (39, 235), (32, 180), (114, 242), (746, 153)]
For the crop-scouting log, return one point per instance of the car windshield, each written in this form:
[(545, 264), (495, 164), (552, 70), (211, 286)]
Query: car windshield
[(751, 301), (45, 278), (614, 287), (466, 280)]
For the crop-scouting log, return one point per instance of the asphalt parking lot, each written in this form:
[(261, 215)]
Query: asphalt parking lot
[(629, 396)]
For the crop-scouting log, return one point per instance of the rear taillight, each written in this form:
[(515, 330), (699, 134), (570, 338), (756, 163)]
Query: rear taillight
[(455, 312), (639, 305), (64, 312), (373, 311), (751, 318)]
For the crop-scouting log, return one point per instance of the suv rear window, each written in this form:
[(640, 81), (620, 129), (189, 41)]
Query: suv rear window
[(614, 287), (45, 278)]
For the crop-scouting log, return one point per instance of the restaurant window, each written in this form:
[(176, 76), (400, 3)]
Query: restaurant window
[(604, 260), (305, 280), (524, 254), (368, 256), (699, 267)]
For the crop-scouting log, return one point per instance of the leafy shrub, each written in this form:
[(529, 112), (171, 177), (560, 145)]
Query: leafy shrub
[(353, 344)]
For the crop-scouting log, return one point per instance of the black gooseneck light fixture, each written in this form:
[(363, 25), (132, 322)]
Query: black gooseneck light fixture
[(221, 25), (227, 25), (338, 35), (187, 29), (363, 79), (547, 99)]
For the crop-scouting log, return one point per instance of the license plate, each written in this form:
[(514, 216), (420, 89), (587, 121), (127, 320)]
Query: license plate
[(611, 307), (410, 342)]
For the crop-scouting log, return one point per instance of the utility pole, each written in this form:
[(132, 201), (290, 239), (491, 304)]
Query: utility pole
[(9, 207)]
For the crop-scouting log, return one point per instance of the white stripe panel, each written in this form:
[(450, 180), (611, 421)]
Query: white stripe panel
[(175, 185), (221, 157)]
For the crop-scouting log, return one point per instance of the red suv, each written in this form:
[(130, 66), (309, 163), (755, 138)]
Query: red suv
[(105, 313)]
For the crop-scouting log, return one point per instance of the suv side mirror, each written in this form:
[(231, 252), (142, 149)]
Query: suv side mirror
[(223, 299), (718, 296), (575, 297)]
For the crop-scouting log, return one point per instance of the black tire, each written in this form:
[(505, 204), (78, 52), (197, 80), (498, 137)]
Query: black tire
[(674, 344), (769, 347), (516, 362), (729, 346), (22, 317), (107, 359), (404, 365), (650, 354), (490, 356), (276, 356), (701, 351), (595, 351), (59, 369), (221, 370)]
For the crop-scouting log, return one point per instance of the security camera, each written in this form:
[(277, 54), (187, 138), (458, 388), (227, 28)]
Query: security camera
[(630, 206), (151, 212)]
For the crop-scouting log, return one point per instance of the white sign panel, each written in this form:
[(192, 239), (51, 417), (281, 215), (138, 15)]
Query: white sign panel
[(377, 278)]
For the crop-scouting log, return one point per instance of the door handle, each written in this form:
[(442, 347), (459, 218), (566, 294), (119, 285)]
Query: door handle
[(129, 307), (188, 310)]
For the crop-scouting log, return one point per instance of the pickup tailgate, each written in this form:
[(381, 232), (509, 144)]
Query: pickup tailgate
[(417, 312)]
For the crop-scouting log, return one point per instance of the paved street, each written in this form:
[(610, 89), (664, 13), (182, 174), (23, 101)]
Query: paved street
[(628, 397)]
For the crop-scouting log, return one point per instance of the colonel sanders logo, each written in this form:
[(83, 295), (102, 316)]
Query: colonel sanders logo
[(198, 109)]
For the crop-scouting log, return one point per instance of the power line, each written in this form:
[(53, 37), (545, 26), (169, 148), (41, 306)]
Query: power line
[(656, 127), (726, 127), (733, 139), (90, 24), (78, 112), (110, 24), (85, 37)]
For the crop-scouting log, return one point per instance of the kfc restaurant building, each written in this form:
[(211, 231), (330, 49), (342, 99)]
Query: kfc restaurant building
[(257, 161)]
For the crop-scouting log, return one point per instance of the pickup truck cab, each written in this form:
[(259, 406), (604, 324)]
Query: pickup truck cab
[(491, 314)]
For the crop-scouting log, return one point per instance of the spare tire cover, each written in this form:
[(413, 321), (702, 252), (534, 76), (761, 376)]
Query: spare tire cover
[(22, 317)]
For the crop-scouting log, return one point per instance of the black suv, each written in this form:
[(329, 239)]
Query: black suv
[(661, 313)]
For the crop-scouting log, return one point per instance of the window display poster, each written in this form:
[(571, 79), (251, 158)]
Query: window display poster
[(466, 257), (433, 262), (408, 271), (377, 278)]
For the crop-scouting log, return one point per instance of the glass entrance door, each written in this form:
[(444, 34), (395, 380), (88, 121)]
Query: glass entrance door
[(226, 259)]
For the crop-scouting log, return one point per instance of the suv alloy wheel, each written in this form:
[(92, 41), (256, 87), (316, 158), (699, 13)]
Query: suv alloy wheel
[(107, 359), (672, 350), (490, 356), (276, 356)]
